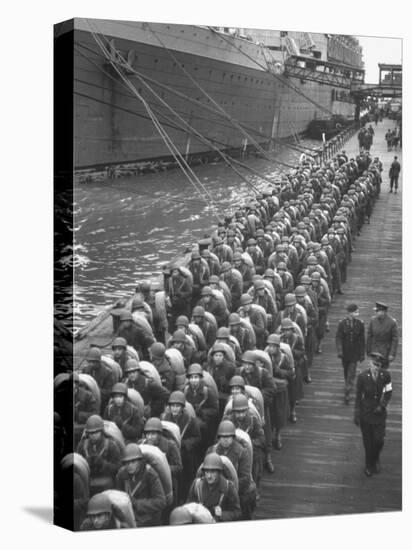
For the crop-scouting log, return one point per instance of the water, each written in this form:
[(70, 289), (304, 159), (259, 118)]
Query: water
[(126, 229)]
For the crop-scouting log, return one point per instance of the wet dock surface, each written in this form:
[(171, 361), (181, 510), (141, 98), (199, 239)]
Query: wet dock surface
[(319, 471)]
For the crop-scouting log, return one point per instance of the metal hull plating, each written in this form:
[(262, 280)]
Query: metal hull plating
[(112, 126)]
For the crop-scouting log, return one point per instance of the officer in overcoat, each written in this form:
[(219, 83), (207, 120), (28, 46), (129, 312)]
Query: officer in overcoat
[(350, 346), (383, 334), (373, 392)]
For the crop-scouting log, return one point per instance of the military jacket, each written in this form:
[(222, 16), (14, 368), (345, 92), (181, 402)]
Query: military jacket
[(350, 339)]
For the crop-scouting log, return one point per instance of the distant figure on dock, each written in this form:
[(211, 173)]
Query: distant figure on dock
[(373, 392), (382, 335), (394, 172), (350, 346)]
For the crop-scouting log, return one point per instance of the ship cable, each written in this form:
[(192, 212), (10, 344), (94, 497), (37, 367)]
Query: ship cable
[(186, 169), (202, 138), (215, 103), (206, 107), (170, 122), (277, 77)]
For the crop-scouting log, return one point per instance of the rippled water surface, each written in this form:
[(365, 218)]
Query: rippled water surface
[(127, 229)]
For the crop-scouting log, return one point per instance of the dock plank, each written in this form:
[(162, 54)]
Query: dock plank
[(319, 471)]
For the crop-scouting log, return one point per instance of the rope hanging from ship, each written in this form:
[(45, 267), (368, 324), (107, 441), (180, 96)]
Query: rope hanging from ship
[(212, 110), (277, 77), (186, 169), (225, 157), (210, 98)]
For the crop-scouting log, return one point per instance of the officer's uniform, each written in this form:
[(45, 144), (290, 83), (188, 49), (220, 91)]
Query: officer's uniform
[(350, 346), (372, 397), (382, 335)]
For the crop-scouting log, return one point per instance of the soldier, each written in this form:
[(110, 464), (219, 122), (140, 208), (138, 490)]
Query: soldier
[(153, 435), (373, 392), (214, 492), (154, 395), (241, 334), (120, 352), (295, 341), (256, 316), (222, 368), (124, 414), (350, 346), (157, 352), (383, 334), (213, 305), (204, 402), (200, 272), (190, 434), (234, 281), (180, 288), (237, 453), (99, 514), (242, 418), (394, 172), (207, 327), (182, 343), (102, 455), (84, 406), (101, 373), (141, 482), (261, 379), (134, 335)]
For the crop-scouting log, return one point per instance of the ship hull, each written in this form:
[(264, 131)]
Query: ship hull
[(112, 125)]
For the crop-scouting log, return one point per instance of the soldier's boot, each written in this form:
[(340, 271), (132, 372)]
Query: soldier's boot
[(308, 378), (277, 443), (292, 416), (269, 464), (346, 398)]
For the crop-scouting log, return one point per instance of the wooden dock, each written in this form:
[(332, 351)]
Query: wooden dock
[(319, 471)]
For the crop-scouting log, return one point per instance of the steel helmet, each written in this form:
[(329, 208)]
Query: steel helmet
[(259, 284), (180, 516), (305, 279), (212, 461), (195, 255), (182, 321), (119, 388), (145, 286), (316, 247), (178, 336), (153, 425), (240, 402), (131, 365), (194, 368), (281, 265), (324, 240), (177, 398), (234, 319), (226, 428), (237, 381), (273, 339), (119, 343), (137, 303), (225, 267), (219, 347), (237, 256), (99, 504), (269, 273), (312, 260), (157, 349), (286, 324), (248, 357), (126, 316), (198, 311), (94, 424), (300, 291), (260, 233), (132, 452), (94, 354), (315, 276), (214, 279), (223, 332), (206, 291), (290, 300), (251, 242), (245, 299)]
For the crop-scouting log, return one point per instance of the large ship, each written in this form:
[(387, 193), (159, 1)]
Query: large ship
[(145, 91)]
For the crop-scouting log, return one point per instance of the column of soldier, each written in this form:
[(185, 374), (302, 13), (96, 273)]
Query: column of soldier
[(181, 420)]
